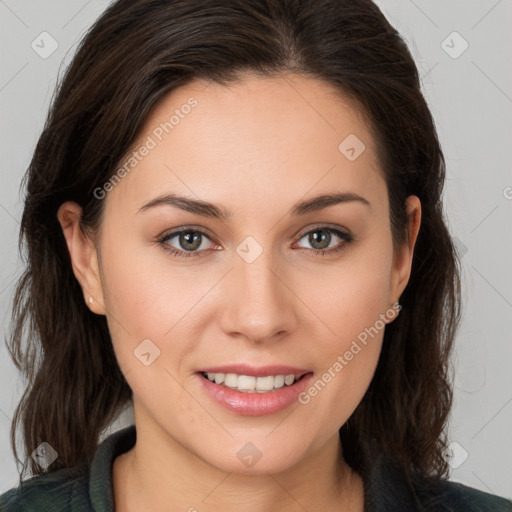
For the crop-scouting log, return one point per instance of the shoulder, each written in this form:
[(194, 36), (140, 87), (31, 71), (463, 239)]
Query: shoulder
[(80, 488), (63, 490), (445, 495), (388, 489)]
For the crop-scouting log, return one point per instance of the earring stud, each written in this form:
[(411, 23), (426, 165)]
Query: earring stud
[(90, 300)]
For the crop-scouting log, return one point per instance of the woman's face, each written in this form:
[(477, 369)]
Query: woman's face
[(279, 280)]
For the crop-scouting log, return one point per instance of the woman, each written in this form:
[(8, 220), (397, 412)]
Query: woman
[(233, 218)]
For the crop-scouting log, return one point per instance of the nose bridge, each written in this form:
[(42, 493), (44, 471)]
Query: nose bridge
[(260, 305)]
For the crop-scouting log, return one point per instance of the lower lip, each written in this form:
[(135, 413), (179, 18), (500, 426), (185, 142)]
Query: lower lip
[(255, 404)]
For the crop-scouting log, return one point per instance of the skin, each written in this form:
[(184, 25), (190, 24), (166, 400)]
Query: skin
[(260, 141)]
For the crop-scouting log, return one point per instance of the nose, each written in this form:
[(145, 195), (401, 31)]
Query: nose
[(260, 304)]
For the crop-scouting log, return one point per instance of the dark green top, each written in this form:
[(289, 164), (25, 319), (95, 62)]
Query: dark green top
[(89, 488)]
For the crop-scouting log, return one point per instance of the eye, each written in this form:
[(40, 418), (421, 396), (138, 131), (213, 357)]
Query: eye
[(321, 239), (187, 242)]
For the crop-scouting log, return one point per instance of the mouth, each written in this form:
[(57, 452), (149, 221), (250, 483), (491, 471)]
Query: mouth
[(251, 383), (250, 391)]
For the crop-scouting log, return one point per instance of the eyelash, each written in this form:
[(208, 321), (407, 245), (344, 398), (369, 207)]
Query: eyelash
[(320, 252)]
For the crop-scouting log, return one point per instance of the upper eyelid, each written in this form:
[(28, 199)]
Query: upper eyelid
[(173, 232), (327, 227)]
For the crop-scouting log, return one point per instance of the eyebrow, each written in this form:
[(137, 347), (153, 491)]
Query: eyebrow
[(207, 209)]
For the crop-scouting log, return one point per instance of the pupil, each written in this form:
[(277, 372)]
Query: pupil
[(190, 240), (315, 240)]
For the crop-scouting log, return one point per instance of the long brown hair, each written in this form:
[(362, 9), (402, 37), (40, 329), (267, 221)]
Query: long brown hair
[(137, 52)]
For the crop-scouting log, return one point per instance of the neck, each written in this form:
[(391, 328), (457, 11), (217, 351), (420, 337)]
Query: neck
[(159, 474)]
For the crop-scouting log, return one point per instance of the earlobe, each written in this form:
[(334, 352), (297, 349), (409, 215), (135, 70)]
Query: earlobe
[(403, 260), (83, 256)]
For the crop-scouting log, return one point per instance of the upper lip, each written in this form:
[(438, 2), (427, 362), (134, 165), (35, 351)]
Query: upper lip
[(260, 371)]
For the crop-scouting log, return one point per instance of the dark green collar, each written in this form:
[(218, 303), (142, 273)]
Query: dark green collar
[(100, 479)]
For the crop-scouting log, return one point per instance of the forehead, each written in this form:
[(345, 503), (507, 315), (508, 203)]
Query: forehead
[(251, 141)]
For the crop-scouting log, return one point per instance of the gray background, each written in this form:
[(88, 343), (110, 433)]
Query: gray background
[(470, 94)]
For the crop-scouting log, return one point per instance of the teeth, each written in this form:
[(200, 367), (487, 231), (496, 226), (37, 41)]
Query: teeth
[(289, 379), (246, 382), (231, 380), (251, 384), (279, 381), (266, 383)]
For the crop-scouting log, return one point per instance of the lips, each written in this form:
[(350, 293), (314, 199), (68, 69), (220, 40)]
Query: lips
[(273, 396)]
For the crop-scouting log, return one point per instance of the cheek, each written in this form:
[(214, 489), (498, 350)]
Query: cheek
[(348, 357), (352, 302), (349, 295), (143, 300)]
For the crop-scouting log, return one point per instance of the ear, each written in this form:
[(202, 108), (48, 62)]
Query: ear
[(403, 258), (83, 255)]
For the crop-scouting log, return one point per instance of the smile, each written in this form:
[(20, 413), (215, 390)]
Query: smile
[(250, 383), (250, 391)]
